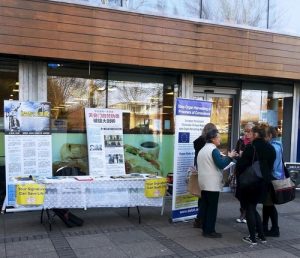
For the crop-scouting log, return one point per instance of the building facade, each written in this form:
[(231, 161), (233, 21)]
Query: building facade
[(78, 56)]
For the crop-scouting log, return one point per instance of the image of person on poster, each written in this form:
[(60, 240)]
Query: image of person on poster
[(13, 121)]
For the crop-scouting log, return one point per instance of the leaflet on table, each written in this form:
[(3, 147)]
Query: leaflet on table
[(28, 145), (105, 141), (191, 117)]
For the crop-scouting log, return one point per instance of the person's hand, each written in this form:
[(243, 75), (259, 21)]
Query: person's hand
[(233, 154)]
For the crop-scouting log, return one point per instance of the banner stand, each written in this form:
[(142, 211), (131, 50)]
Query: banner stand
[(190, 118)]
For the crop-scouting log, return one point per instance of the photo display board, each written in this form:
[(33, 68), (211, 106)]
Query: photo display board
[(105, 141)]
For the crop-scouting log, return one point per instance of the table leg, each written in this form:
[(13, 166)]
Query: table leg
[(42, 215), (139, 214), (49, 219)]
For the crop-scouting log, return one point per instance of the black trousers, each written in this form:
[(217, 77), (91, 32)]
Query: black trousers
[(270, 211), (253, 221), (209, 210), (199, 214)]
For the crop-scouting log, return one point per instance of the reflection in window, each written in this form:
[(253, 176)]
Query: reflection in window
[(244, 12), (263, 106), (69, 96), (148, 107), (180, 8)]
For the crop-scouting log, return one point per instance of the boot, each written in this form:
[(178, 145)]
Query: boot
[(265, 229), (197, 223), (274, 232)]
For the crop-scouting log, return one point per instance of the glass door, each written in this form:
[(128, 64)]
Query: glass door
[(222, 116)]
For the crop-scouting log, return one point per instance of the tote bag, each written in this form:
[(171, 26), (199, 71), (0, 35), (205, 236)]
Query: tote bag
[(284, 190), (193, 184)]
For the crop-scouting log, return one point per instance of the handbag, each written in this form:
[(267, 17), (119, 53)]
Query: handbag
[(284, 189), (193, 184), (251, 175)]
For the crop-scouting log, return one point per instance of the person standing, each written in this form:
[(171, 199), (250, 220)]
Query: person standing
[(269, 209), (239, 148), (210, 180), (263, 151), (198, 145)]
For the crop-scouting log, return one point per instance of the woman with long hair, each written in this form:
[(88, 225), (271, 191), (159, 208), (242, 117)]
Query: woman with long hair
[(239, 148), (269, 209), (260, 150)]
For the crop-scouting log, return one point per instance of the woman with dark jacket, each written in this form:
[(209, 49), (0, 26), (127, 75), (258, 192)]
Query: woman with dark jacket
[(198, 145), (256, 193), (240, 147)]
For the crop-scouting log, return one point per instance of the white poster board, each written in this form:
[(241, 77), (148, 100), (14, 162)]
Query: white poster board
[(191, 117), (105, 141), (28, 145)]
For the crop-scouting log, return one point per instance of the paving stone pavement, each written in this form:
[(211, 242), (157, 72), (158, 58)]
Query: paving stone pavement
[(110, 233)]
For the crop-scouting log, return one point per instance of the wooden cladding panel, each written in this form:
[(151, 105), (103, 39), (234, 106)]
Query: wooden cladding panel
[(56, 30)]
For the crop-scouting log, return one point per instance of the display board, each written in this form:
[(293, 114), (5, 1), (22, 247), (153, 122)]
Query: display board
[(28, 147), (191, 117), (294, 170), (105, 141)]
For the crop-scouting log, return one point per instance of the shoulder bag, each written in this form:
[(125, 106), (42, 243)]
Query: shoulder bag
[(251, 175), (193, 184), (284, 189)]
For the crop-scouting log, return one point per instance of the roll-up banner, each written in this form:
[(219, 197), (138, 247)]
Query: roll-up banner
[(191, 117)]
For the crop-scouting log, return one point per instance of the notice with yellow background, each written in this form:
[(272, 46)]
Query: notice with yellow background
[(155, 187), (30, 194)]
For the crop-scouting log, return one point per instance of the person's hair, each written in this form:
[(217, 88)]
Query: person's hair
[(261, 130), (273, 131), (211, 135), (250, 125), (208, 127)]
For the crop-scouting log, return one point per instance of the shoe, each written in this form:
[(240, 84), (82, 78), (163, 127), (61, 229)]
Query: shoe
[(212, 235), (274, 232), (263, 240), (241, 220), (249, 241), (197, 223)]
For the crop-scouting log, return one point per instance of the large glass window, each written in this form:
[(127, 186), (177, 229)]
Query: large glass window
[(9, 90), (276, 15), (146, 99), (270, 103)]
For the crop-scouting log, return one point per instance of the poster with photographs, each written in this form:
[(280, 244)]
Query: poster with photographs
[(28, 145), (105, 141)]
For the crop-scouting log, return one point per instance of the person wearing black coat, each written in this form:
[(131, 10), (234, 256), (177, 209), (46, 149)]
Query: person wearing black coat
[(264, 152), (198, 145)]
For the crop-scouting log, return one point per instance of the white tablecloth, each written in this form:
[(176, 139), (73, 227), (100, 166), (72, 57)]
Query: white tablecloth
[(102, 192)]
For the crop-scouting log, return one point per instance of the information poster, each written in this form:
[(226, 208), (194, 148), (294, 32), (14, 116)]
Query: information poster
[(28, 149), (191, 117), (294, 171), (105, 141)]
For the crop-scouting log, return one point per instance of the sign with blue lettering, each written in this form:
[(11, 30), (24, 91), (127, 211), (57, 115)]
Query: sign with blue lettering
[(191, 116)]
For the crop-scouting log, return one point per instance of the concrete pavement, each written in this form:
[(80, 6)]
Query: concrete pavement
[(110, 233)]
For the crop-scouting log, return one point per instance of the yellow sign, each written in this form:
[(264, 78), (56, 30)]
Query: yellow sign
[(155, 187), (30, 194)]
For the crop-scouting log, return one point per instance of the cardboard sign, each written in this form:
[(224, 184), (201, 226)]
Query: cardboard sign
[(155, 187), (30, 194)]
